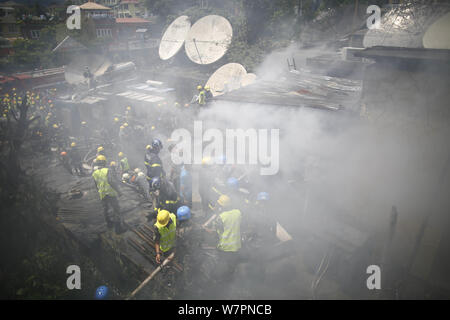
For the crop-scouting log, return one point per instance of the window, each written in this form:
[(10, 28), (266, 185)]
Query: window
[(35, 34), (104, 33)]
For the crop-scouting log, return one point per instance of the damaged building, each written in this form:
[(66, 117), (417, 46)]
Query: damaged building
[(362, 154)]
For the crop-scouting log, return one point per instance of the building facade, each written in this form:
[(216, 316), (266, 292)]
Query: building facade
[(102, 17), (8, 24)]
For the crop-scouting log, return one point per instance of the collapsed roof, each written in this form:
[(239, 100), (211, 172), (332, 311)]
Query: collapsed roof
[(299, 89)]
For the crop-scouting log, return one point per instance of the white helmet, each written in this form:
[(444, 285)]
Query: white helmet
[(141, 174), (137, 170), (125, 177)]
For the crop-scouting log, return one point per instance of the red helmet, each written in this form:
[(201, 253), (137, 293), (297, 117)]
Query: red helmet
[(63, 153)]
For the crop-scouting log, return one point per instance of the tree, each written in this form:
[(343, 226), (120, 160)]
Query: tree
[(160, 7), (29, 54), (14, 133)]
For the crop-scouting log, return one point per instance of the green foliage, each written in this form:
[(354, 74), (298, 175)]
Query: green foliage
[(40, 282), (160, 7), (247, 55), (30, 54)]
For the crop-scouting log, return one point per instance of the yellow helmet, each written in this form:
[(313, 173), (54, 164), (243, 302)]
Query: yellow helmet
[(100, 149), (122, 127), (100, 158), (207, 88), (120, 154), (125, 124), (49, 114), (148, 147), (163, 218), (73, 144), (199, 87), (55, 126), (224, 201), (206, 160), (116, 119), (128, 108), (83, 123), (112, 164), (153, 128)]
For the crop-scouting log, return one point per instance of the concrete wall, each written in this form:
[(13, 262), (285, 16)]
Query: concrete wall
[(412, 99)]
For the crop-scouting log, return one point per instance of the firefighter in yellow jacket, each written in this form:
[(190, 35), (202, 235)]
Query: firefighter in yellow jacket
[(165, 233), (228, 227), (108, 191)]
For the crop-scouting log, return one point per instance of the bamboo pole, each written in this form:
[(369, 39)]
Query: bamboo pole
[(150, 277), (209, 221)]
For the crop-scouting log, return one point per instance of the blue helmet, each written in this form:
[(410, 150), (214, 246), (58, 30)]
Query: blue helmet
[(156, 183), (262, 196), (183, 213), (157, 145), (233, 183)]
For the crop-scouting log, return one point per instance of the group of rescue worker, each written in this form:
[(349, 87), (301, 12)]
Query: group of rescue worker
[(204, 95), (226, 204)]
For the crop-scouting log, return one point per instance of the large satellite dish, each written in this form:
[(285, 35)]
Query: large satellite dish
[(173, 38), (247, 79), (226, 78), (438, 34), (208, 39), (403, 26), (97, 66)]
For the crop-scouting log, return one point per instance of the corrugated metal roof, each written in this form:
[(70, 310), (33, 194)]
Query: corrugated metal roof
[(133, 95), (405, 53), (131, 20), (299, 89)]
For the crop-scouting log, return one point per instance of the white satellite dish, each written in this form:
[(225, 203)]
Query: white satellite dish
[(208, 39), (438, 34), (247, 79), (227, 78), (97, 66), (173, 38), (402, 26)]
